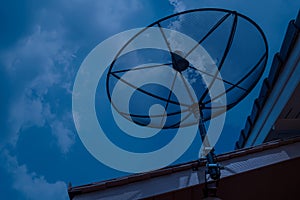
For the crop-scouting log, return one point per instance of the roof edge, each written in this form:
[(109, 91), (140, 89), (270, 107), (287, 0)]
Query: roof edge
[(193, 165)]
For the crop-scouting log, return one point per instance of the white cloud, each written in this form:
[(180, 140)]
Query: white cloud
[(43, 60), (94, 18), (65, 137), (38, 63), (27, 112), (178, 5), (117, 10), (32, 185)]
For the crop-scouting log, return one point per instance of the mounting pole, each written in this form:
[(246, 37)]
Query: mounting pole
[(213, 169)]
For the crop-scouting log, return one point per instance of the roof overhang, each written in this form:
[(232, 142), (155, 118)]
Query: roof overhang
[(275, 113), (242, 167), (285, 90)]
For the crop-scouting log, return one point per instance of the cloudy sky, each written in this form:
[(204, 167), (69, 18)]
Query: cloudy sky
[(43, 43)]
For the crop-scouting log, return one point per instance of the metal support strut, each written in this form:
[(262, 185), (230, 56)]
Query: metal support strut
[(213, 169)]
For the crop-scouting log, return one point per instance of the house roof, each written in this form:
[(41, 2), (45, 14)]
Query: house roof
[(135, 178), (278, 64)]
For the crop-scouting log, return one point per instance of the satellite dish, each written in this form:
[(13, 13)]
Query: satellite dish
[(233, 52), (195, 79)]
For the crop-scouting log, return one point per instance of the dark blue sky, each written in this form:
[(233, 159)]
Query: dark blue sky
[(42, 45)]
